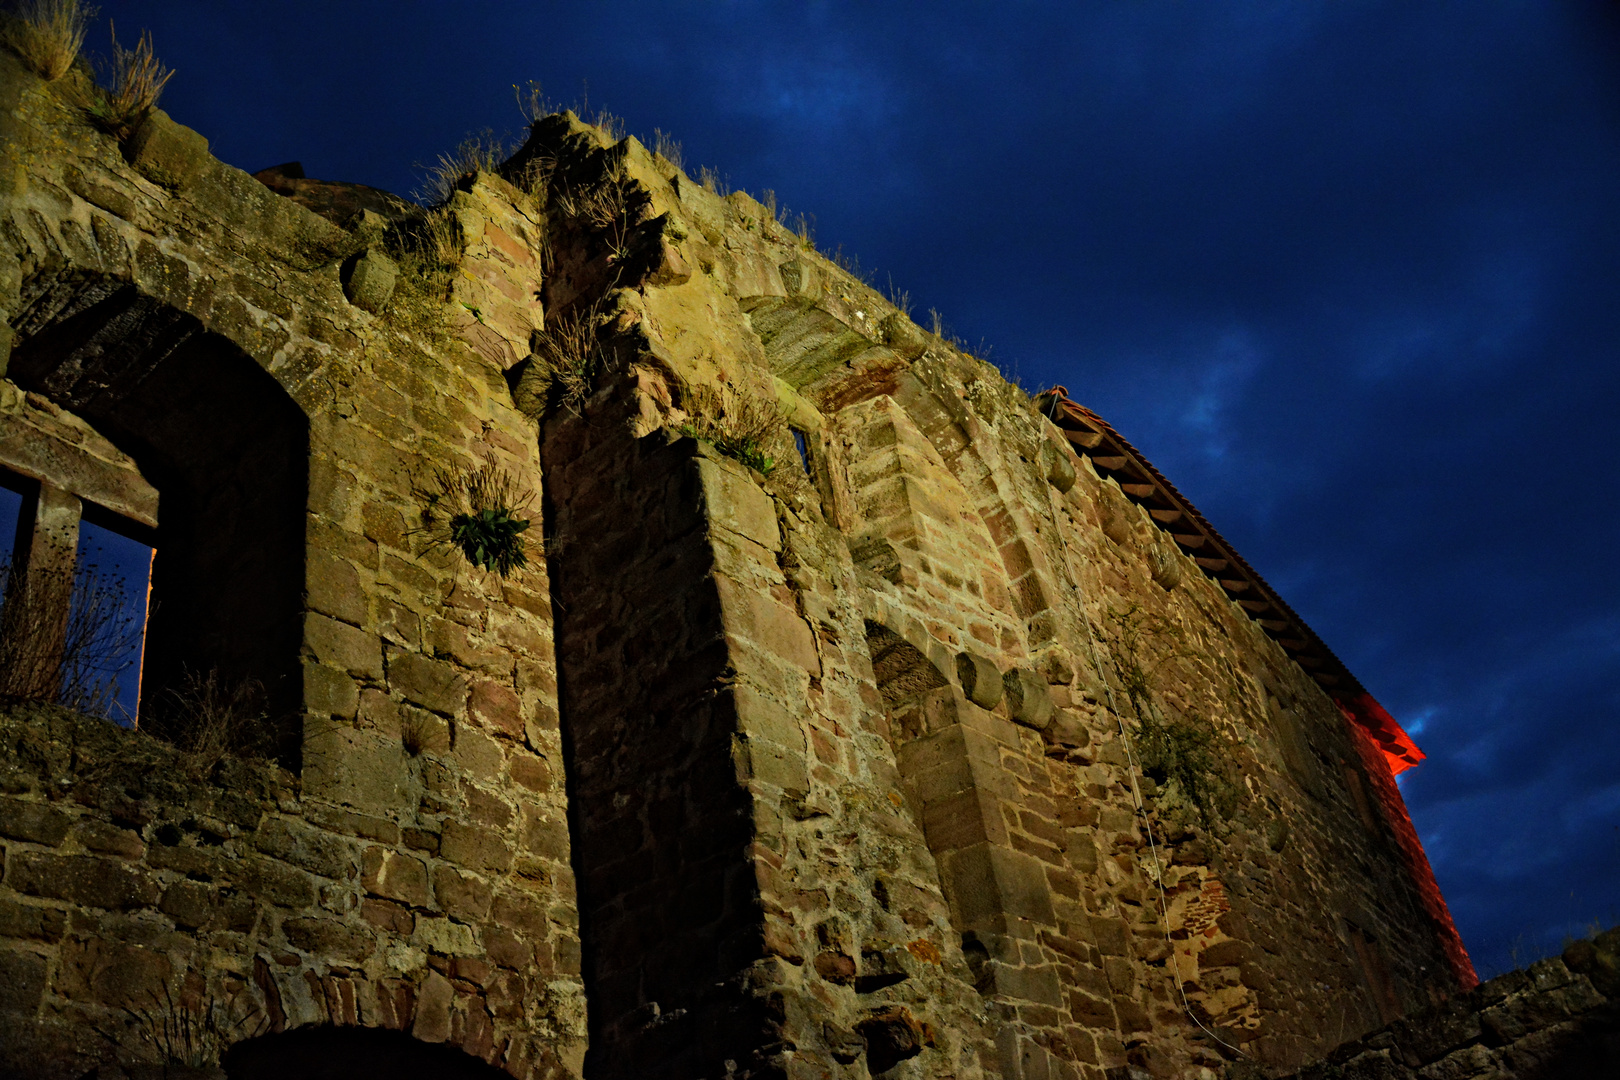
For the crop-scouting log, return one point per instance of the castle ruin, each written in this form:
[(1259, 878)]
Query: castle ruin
[(854, 714)]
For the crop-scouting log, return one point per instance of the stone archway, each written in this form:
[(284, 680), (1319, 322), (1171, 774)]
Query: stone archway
[(351, 1053), (227, 450)]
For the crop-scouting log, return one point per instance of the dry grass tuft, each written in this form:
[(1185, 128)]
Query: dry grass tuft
[(563, 369), (138, 78), (666, 147), (428, 248), (209, 718), (484, 152), (48, 34), (744, 427)]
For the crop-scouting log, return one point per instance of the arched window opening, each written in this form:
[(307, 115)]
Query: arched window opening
[(224, 451)]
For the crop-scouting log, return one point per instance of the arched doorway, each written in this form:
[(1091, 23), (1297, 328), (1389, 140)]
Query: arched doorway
[(343, 1053)]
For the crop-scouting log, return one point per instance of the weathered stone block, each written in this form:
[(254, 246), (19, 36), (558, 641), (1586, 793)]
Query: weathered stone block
[(395, 876), (319, 852), (329, 938), (82, 879), (735, 502), (33, 922), (446, 937), (369, 280), (474, 847), (168, 153), (36, 822), (339, 645), (22, 980), (497, 708), (986, 883), (354, 767), (980, 680), (462, 896), (1028, 700), (432, 684), (329, 692)]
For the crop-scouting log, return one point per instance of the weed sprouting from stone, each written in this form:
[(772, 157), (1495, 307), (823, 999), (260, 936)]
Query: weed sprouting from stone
[(483, 152), (481, 513), (744, 428), (1177, 753), (564, 366)]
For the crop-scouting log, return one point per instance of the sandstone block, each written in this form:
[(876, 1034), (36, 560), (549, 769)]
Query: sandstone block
[(339, 645), (497, 708), (168, 153), (433, 1001), (986, 882), (36, 822), (462, 896), (109, 839), (361, 768), (32, 922), (369, 280), (294, 842), (329, 938), (395, 876), (446, 937), (329, 692), (1028, 701), (82, 879), (735, 502), (22, 981), (474, 847), (189, 903), (980, 680), (432, 684)]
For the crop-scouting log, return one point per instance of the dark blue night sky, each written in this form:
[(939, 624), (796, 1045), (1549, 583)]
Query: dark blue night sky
[(1349, 273)]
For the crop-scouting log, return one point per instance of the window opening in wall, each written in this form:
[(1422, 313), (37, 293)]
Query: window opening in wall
[(802, 442), (111, 599), (73, 600), (10, 507)]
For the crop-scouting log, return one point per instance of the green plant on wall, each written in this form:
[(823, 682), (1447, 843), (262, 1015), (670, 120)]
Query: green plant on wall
[(1177, 753), (482, 513), (491, 538), (743, 427)]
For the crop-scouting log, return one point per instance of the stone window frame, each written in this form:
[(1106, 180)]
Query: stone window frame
[(67, 473)]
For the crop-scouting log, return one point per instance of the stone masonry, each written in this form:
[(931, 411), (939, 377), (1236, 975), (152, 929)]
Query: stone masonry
[(904, 739)]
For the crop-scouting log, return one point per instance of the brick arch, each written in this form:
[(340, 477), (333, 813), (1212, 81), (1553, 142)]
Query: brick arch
[(227, 449), (328, 1052)]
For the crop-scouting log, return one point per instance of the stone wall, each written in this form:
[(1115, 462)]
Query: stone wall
[(406, 864), (1018, 617), (1557, 1018)]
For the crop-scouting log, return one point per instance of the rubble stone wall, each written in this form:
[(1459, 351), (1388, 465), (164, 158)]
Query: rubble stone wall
[(406, 865), (1559, 1017)]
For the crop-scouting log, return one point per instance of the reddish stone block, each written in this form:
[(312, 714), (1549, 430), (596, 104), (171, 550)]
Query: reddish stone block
[(497, 708)]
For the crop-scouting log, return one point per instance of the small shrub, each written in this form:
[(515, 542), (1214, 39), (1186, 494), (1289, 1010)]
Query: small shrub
[(48, 35), (101, 639), (136, 79), (743, 427), (480, 513)]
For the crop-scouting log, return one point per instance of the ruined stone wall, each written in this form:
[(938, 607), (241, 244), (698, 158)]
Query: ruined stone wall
[(1557, 1018), (1017, 618), (406, 864)]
